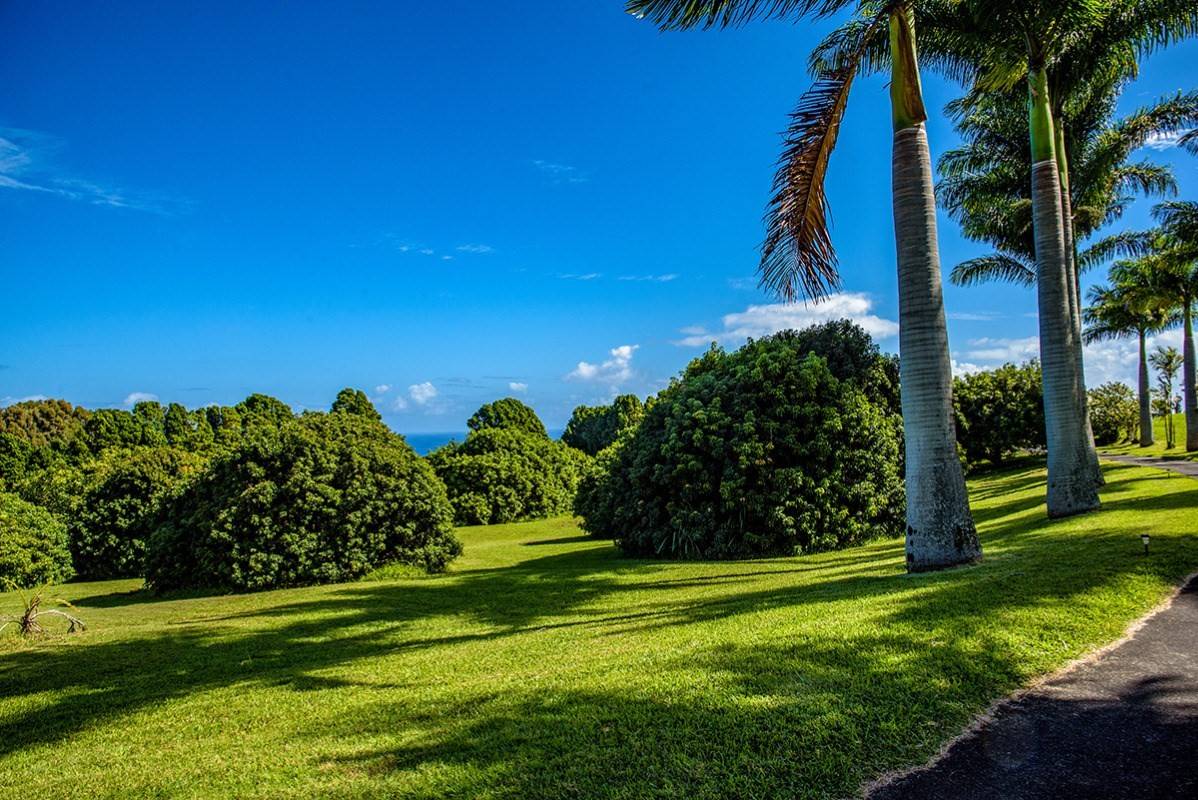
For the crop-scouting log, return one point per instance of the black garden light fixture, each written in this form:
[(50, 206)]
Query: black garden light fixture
[(1145, 538)]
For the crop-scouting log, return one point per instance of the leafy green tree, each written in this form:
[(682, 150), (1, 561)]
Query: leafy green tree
[(321, 498), (33, 545), (999, 412), (355, 401), (15, 453), (44, 423), (507, 413), (798, 256), (508, 474), (118, 511), (1167, 362), (593, 428), (758, 452), (1115, 412)]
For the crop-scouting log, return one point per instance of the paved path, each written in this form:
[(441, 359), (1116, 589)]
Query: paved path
[(1176, 464), (1123, 726)]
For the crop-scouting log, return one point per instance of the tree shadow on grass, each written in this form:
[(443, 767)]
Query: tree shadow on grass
[(801, 712)]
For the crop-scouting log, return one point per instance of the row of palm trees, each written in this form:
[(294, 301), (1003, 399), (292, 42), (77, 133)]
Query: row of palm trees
[(1065, 53)]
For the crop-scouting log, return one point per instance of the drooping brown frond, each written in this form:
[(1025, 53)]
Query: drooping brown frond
[(797, 256)]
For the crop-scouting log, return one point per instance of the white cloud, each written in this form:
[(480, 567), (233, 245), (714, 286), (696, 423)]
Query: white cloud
[(427, 251), (560, 173), (1000, 351), (763, 320), (964, 368), (653, 278), (133, 398), (27, 163), (9, 400), (613, 371), (588, 276), (1164, 141), (518, 387), (382, 388), (422, 393), (974, 316), (476, 249), (1119, 359)]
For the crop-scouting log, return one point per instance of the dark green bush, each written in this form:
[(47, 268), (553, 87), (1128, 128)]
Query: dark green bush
[(507, 474), (1114, 413), (592, 428), (999, 412), (507, 413), (322, 498), (33, 545), (111, 524), (759, 452)]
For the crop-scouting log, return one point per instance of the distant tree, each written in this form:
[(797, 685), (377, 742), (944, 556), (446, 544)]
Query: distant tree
[(33, 545), (507, 413), (999, 411), (593, 428), (355, 401), (1114, 412), (15, 452), (44, 423), (326, 497), (1167, 362)]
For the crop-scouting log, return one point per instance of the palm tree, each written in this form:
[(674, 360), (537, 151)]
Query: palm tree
[(798, 257), (1167, 362), (1126, 309), (1175, 268)]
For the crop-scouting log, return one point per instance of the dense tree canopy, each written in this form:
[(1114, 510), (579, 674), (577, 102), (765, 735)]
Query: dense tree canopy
[(355, 401), (757, 452), (999, 411), (592, 428), (322, 498), (1114, 413), (507, 413), (508, 472), (33, 545), (44, 423)]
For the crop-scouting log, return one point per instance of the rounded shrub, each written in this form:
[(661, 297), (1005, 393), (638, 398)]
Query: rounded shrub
[(508, 474), (324, 498), (763, 451), (118, 511), (507, 413), (33, 545)]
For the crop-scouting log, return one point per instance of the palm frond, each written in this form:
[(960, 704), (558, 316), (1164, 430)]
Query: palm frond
[(685, 14), (993, 267), (797, 256), (1127, 244)]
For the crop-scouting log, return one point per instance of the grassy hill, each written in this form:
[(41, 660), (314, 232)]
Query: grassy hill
[(545, 665)]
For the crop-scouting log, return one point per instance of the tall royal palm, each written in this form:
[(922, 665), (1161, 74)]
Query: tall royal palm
[(798, 257), (1175, 266), (1128, 308)]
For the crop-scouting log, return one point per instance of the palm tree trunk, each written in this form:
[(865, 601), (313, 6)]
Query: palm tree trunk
[(1073, 276), (1187, 374), (1146, 433), (1071, 485), (940, 528)]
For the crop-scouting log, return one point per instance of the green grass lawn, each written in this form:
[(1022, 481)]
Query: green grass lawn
[(546, 666), (1158, 445)]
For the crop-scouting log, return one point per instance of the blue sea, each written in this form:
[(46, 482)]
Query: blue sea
[(425, 443)]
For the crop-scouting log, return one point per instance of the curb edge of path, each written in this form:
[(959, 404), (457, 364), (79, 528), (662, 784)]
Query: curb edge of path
[(978, 723)]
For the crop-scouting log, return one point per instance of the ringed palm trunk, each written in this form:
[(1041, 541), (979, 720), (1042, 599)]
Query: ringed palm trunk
[(1071, 484), (940, 528), (1073, 278), (1187, 374), (1146, 432)]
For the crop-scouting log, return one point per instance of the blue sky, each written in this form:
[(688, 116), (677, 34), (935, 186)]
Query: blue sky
[(438, 203)]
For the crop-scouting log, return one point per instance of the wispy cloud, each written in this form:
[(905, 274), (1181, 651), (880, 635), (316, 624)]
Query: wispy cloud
[(586, 276), (763, 320), (652, 278), (997, 351), (974, 316), (28, 162), (560, 173), (9, 400), (475, 249), (518, 387), (1164, 141), (615, 370), (133, 398)]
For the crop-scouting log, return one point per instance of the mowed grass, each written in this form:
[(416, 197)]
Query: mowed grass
[(1157, 448), (547, 666)]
